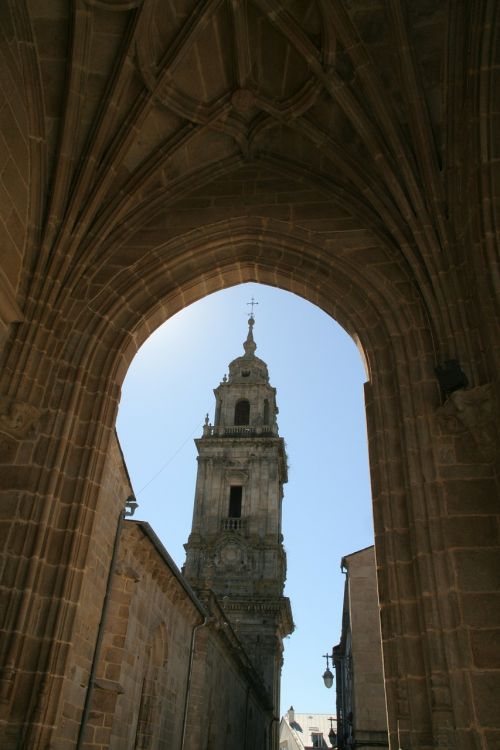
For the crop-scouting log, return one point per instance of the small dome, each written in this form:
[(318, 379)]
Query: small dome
[(249, 367)]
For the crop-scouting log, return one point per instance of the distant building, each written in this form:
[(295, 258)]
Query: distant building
[(361, 704), (305, 731)]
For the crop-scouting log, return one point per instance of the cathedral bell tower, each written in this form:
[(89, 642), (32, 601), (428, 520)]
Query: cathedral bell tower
[(235, 546)]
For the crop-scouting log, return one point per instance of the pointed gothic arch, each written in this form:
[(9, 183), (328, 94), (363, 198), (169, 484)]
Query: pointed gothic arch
[(364, 182), (401, 381)]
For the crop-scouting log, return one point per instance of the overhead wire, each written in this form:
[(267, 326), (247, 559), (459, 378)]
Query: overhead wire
[(170, 459)]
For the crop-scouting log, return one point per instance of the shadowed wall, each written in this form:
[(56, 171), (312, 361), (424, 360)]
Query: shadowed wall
[(345, 151)]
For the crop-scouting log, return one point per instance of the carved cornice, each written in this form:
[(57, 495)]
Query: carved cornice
[(278, 608), (140, 558), (236, 474)]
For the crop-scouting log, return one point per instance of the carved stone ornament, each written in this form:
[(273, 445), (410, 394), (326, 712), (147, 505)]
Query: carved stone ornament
[(230, 555), (440, 692), (473, 408), (243, 100), (236, 475), (17, 418), (127, 571)]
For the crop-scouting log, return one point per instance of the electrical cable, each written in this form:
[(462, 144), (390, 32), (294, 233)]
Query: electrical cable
[(197, 427)]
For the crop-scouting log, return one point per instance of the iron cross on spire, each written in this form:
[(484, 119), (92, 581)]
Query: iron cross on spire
[(252, 303)]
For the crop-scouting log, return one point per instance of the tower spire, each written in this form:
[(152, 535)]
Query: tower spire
[(249, 345)]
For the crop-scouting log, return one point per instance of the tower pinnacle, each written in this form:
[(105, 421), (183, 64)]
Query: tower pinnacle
[(249, 345)]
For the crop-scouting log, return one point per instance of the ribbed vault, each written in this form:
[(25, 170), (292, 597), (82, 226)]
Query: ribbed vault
[(347, 100)]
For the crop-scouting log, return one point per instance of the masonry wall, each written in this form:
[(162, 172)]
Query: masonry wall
[(131, 185), (370, 714), (228, 706), (140, 688), (170, 671), (114, 492)]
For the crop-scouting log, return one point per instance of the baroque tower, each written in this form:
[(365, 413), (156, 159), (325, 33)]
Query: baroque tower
[(236, 546)]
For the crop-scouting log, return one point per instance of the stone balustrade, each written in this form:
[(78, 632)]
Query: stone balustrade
[(240, 431), (233, 524)]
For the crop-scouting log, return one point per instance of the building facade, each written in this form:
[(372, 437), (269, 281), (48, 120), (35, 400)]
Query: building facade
[(300, 731), (359, 684), (171, 673), (168, 672)]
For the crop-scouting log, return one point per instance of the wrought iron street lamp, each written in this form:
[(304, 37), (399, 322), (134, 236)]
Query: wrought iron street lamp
[(331, 734), (328, 675)]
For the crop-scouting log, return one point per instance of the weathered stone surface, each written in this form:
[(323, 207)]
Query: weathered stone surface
[(357, 659), (164, 655), (235, 548), (348, 154)]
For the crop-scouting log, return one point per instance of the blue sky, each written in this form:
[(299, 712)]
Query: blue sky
[(318, 373)]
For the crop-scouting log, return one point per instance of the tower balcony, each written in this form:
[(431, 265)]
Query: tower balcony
[(240, 431), (233, 524)]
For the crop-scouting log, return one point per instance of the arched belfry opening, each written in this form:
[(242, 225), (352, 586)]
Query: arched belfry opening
[(242, 412), (340, 151)]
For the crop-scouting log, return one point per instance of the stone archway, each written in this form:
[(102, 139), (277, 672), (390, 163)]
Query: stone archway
[(402, 398), (134, 191)]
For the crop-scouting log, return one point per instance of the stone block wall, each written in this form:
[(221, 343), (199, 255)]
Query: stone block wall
[(370, 713), (362, 174), (140, 689), (169, 666), (114, 491), (171, 672), (14, 171)]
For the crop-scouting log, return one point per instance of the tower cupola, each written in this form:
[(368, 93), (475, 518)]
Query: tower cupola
[(246, 399), (248, 368)]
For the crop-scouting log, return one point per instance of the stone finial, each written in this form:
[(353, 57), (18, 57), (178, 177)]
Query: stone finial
[(249, 345), (206, 427)]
